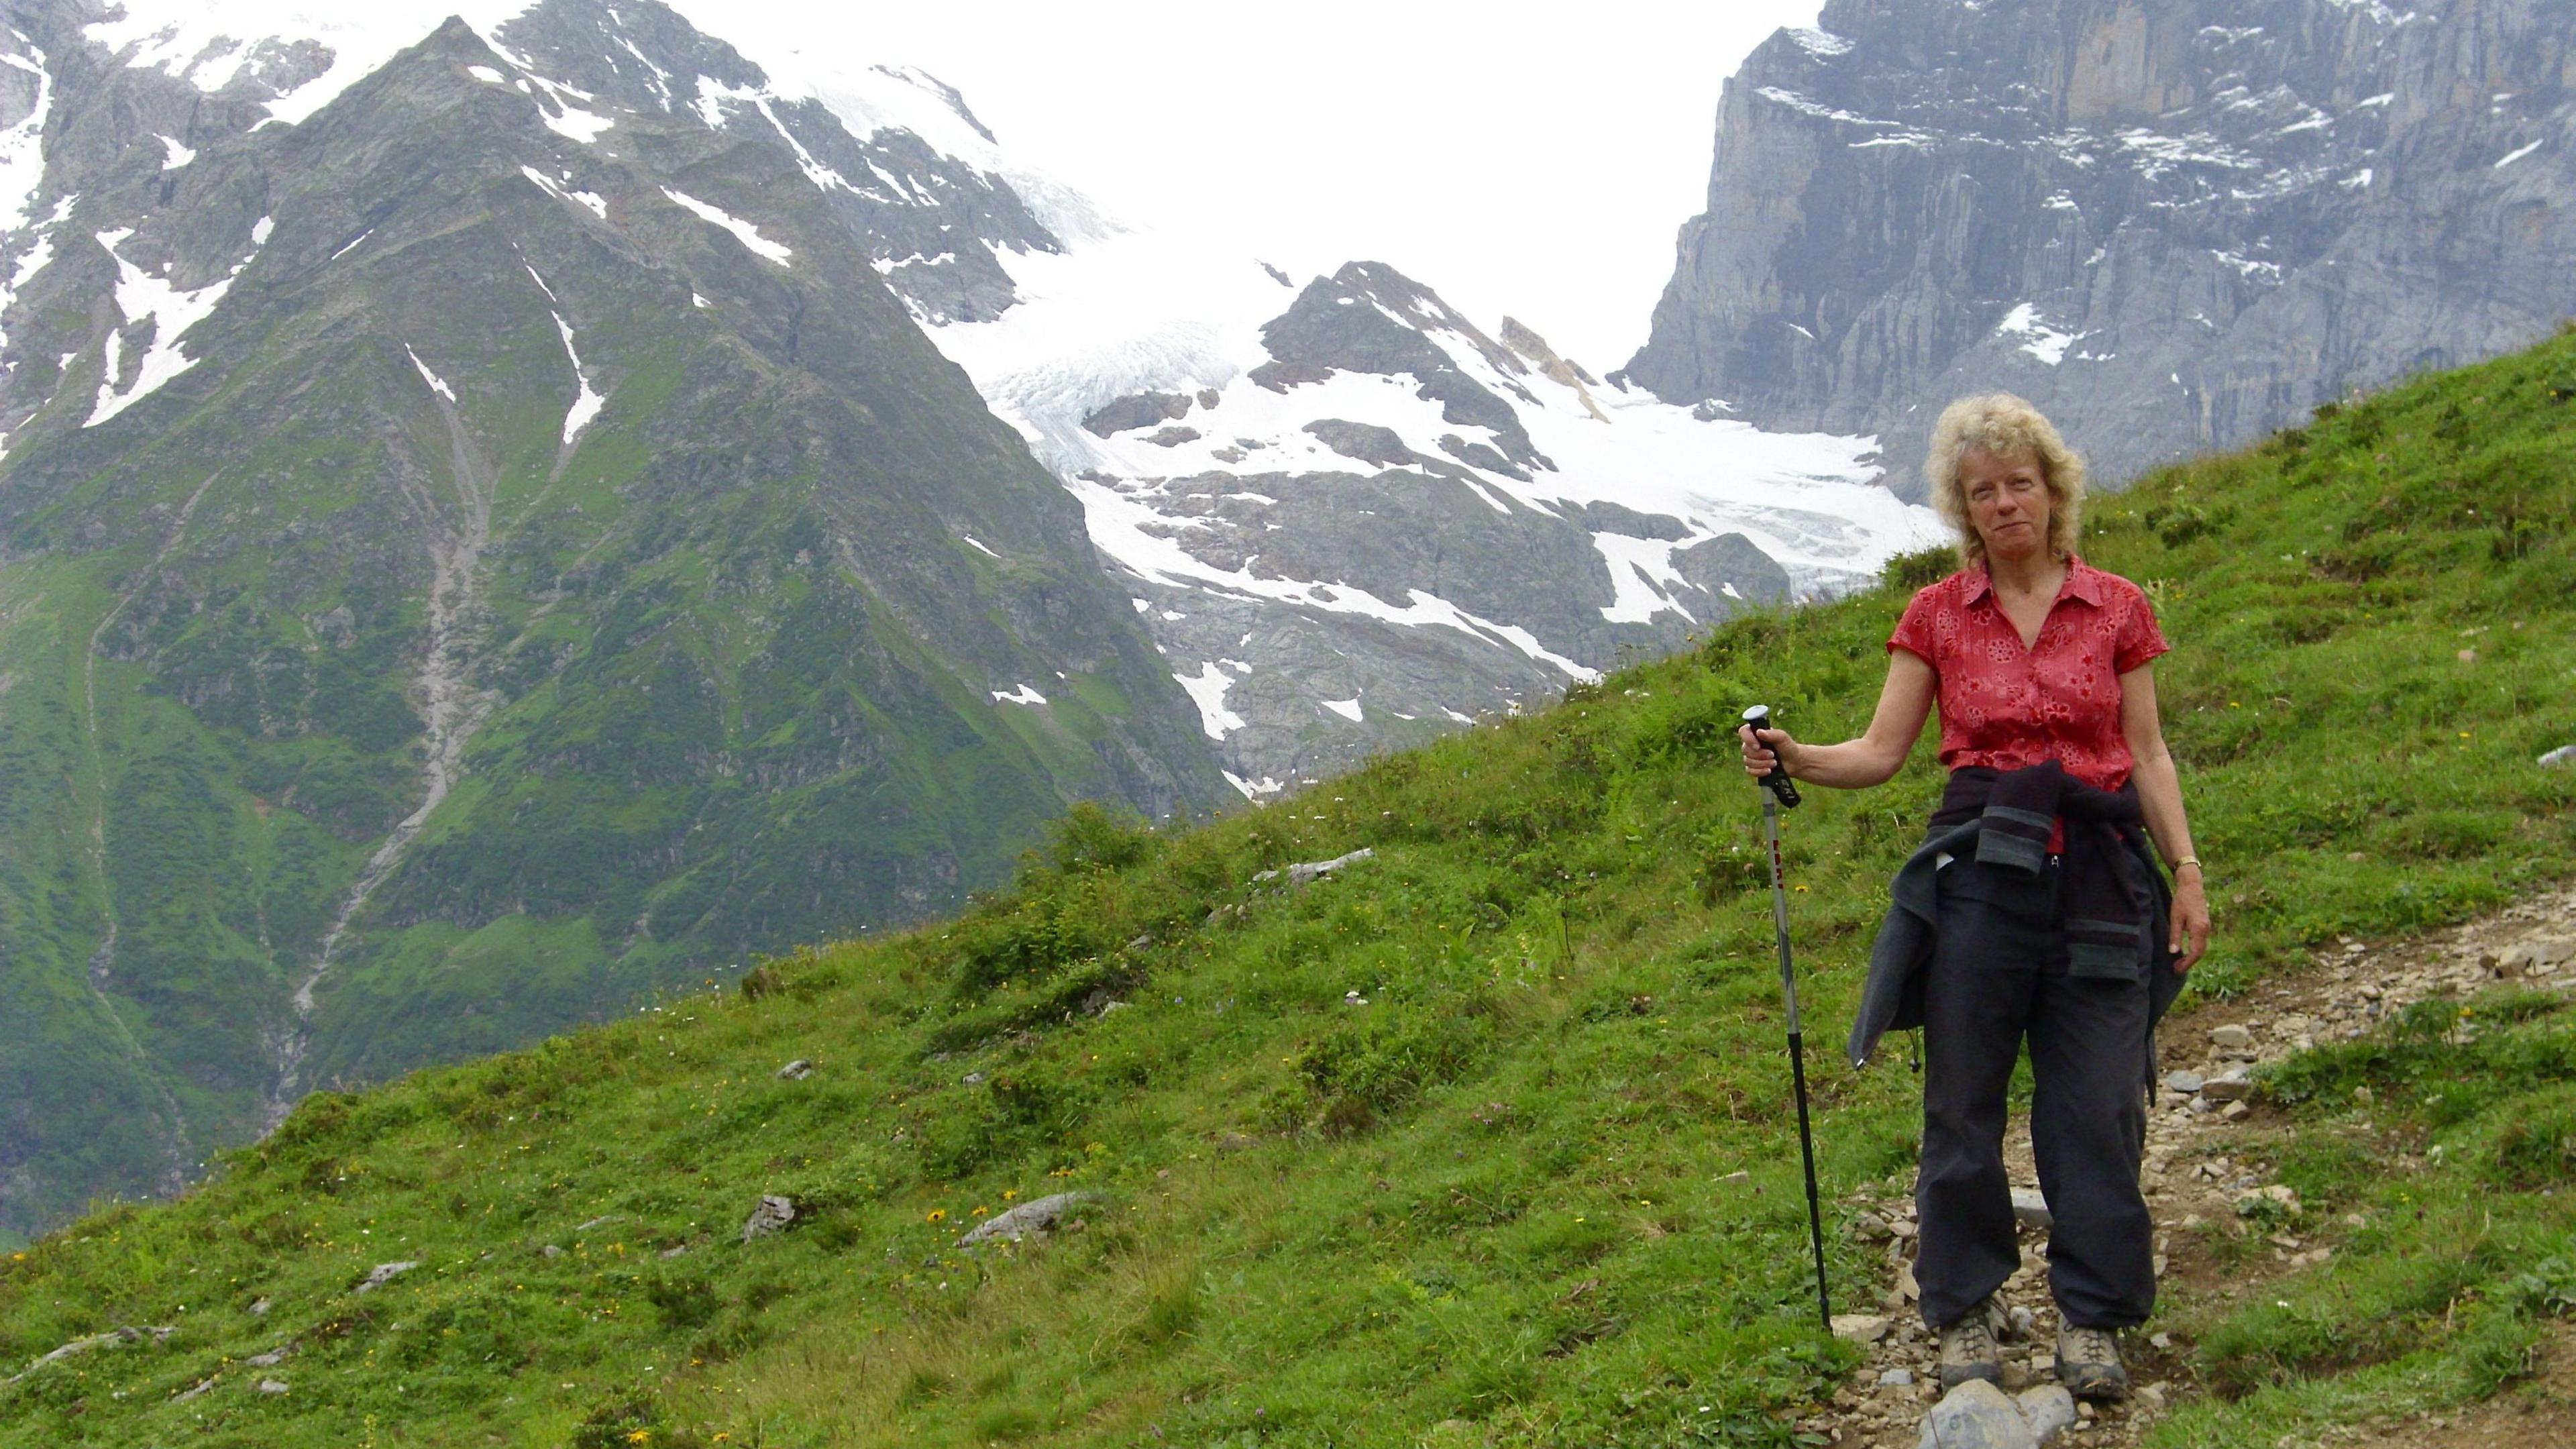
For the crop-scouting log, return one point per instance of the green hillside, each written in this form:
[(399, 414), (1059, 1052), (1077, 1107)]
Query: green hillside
[(1443, 1148)]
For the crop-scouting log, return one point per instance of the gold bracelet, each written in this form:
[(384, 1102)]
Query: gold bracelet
[(2190, 860)]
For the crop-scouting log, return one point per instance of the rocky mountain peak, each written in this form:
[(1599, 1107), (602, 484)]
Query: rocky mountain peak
[(2175, 224)]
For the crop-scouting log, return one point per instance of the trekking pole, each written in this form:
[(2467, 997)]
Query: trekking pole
[(1779, 792)]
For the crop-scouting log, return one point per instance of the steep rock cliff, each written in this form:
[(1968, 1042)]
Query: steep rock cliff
[(2175, 224)]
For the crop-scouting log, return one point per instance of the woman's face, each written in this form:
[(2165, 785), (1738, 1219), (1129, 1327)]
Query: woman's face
[(2008, 501)]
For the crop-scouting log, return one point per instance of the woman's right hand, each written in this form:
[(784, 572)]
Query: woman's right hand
[(1764, 750)]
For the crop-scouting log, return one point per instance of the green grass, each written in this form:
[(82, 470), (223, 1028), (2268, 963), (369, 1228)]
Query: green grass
[(1498, 1202)]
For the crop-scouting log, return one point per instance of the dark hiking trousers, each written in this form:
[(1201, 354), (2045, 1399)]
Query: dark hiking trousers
[(2000, 974)]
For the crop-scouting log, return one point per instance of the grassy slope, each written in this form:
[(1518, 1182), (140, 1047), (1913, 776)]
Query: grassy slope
[(1497, 1200)]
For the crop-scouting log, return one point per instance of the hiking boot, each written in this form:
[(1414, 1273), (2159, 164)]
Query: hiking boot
[(1968, 1349), (2088, 1364)]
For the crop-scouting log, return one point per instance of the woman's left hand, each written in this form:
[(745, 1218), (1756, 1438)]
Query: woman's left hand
[(2188, 932)]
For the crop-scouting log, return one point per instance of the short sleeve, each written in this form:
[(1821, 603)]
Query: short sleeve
[(2140, 640), (1914, 632)]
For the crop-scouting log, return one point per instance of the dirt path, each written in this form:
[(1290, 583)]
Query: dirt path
[(2202, 1162)]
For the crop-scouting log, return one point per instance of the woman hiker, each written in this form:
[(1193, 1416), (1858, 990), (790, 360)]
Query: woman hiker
[(2034, 910)]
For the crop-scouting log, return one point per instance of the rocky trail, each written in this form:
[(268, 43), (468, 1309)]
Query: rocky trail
[(2208, 1171)]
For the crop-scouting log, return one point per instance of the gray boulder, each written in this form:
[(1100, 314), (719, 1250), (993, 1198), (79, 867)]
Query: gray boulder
[(1976, 1415), (384, 1273), (1030, 1219), (772, 1215)]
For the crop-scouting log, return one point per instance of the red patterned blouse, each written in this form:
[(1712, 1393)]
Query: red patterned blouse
[(2005, 705)]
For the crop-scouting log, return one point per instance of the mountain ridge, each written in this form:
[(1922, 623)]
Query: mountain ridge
[(480, 551)]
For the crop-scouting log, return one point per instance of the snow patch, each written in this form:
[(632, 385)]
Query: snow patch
[(592, 202), (978, 544), (1348, 709), (487, 75), (175, 155), (353, 244), (743, 231), (436, 383), (1820, 42), (2037, 338), (1025, 694), (1253, 789), (142, 297), (2511, 157), (586, 401), (576, 124), (1206, 689), (22, 171)]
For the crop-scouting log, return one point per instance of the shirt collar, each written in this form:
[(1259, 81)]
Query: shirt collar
[(2083, 581)]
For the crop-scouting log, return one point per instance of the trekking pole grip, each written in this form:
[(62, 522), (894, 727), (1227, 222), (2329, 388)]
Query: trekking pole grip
[(1777, 782)]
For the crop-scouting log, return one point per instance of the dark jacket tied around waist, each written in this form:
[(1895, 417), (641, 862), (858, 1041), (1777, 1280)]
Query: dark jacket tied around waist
[(2117, 901)]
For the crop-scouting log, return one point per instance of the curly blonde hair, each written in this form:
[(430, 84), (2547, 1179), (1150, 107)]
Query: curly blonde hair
[(2002, 424)]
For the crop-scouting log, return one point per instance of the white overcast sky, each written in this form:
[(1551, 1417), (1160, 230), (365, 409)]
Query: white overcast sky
[(1517, 158)]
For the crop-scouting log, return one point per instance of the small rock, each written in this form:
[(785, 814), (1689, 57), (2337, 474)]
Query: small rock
[(272, 1386), (382, 1274), (1353, 998), (2030, 1209), (270, 1359), (2048, 1410), (2234, 1084), (551, 1251), (675, 1252), (797, 1070), (2561, 756), (2235, 1111), (772, 1215), (1976, 1415), (1896, 1379), (2018, 1324), (1905, 1283), (2151, 1397), (260, 1308), (198, 1391), (2185, 1083), (2161, 1342), (2548, 952), (2231, 1038), (1739, 1175), (1871, 1228), (1860, 1327), (601, 1221), (1113, 1006), (1034, 1218), (1316, 870)]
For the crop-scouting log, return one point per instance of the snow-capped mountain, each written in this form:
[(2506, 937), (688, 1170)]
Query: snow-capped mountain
[(2177, 225), (1352, 516), (487, 537), (510, 509)]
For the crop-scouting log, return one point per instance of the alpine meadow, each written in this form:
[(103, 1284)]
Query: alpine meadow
[(1484, 1136)]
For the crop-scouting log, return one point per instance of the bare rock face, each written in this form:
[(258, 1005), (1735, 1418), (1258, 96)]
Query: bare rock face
[(2173, 224)]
